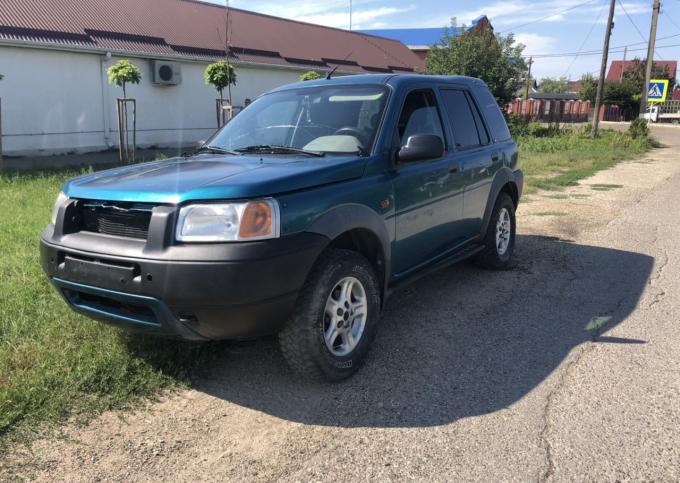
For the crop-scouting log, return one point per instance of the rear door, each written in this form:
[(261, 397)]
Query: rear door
[(475, 154), (428, 195)]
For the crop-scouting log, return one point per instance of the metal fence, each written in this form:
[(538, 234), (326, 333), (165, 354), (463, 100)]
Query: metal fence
[(541, 110), (617, 113), (669, 107)]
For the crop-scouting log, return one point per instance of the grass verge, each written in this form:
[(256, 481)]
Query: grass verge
[(553, 159), (53, 362)]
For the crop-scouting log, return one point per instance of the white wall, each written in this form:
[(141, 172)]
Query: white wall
[(50, 101), (54, 102)]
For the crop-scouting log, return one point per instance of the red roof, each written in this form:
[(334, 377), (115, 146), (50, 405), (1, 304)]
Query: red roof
[(195, 29), (616, 68)]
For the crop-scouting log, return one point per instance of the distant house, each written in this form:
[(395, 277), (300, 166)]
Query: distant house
[(421, 40), (574, 86), (54, 55), (617, 68)]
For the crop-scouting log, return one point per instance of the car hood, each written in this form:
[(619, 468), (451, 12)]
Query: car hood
[(213, 177)]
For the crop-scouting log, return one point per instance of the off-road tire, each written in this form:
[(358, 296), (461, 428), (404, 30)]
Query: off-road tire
[(490, 257), (302, 339)]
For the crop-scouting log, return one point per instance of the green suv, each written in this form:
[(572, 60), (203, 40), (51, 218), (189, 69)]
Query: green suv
[(299, 217)]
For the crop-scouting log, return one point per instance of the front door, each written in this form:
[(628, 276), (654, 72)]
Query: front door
[(428, 194)]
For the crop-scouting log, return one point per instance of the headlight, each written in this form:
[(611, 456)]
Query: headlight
[(61, 199), (252, 220)]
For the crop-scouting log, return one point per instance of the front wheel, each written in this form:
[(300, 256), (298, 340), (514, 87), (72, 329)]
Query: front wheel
[(336, 318), (499, 241)]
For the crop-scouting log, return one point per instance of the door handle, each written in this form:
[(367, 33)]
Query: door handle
[(453, 168), (495, 157)]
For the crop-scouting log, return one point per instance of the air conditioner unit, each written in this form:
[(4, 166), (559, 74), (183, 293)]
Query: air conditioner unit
[(166, 73)]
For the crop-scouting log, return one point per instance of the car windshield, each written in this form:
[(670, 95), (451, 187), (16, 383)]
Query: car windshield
[(328, 120)]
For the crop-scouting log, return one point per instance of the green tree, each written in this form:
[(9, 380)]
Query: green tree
[(636, 71), (310, 75), (220, 75), (554, 85), (625, 93), (2, 76), (124, 72), (588, 89), (496, 59)]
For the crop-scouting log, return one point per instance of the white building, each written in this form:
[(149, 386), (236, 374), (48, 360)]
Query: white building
[(54, 54)]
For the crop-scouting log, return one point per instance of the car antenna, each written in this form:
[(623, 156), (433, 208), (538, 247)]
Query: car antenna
[(332, 71)]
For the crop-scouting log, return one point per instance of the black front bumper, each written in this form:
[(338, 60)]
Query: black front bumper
[(196, 292)]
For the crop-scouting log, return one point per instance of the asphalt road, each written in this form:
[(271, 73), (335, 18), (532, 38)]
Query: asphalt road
[(566, 367)]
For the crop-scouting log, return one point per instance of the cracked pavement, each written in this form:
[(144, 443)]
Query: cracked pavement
[(565, 368)]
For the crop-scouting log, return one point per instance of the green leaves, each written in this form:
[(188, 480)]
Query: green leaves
[(588, 89), (635, 72), (625, 93), (553, 85), (124, 72), (220, 75), (638, 128), (310, 75), (496, 59)]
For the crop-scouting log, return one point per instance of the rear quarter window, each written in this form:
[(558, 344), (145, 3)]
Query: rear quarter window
[(494, 117)]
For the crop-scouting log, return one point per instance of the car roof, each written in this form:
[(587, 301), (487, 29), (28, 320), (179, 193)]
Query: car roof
[(393, 80)]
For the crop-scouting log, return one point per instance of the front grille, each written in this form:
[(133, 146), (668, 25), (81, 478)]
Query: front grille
[(121, 219)]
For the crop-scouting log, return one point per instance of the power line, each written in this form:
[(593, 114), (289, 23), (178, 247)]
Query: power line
[(644, 39), (593, 52), (638, 43), (618, 48), (670, 19), (574, 7), (597, 19)]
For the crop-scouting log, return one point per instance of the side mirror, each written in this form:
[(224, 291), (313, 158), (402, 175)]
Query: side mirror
[(420, 147)]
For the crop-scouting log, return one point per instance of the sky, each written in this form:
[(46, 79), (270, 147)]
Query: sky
[(554, 27)]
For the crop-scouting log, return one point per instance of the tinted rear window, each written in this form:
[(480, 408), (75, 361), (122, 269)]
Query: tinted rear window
[(492, 113), (462, 120)]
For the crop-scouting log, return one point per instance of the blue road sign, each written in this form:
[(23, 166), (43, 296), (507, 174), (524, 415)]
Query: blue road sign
[(657, 90)]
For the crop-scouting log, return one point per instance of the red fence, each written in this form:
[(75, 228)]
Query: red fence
[(551, 111), (617, 113)]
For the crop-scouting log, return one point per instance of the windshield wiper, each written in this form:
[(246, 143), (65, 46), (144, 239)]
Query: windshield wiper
[(215, 150), (268, 148)]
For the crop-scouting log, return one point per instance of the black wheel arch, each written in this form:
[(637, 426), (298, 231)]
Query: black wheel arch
[(356, 227), (508, 181)]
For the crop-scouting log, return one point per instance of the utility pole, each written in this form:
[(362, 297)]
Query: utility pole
[(526, 95), (650, 55), (227, 48), (623, 65), (350, 15), (603, 69)]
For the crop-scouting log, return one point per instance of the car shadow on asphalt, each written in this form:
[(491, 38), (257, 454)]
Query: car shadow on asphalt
[(460, 343)]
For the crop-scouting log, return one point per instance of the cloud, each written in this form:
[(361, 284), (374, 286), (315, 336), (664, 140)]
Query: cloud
[(360, 18), (509, 15), (536, 43), (332, 13), (553, 67)]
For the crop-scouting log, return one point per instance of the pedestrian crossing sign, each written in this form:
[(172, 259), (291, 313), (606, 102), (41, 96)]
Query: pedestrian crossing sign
[(658, 88)]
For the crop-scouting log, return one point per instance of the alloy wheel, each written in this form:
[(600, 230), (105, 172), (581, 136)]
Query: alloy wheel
[(345, 316)]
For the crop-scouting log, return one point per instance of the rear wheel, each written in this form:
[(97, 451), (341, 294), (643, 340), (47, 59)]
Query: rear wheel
[(499, 241), (336, 318)]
